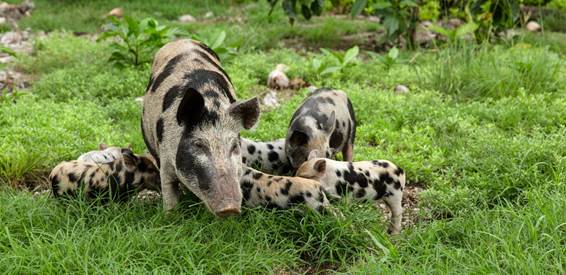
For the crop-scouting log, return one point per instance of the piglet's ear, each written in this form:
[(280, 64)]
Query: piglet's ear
[(247, 112), (313, 154), (130, 158), (320, 166), (102, 146)]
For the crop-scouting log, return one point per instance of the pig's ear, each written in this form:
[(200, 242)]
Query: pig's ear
[(247, 112), (330, 123), (102, 146), (130, 159), (191, 108), (313, 154), (320, 166)]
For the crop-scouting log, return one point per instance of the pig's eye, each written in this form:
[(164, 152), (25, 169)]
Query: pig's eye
[(199, 145)]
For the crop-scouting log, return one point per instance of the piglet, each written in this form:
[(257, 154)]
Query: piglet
[(364, 180), (117, 179)]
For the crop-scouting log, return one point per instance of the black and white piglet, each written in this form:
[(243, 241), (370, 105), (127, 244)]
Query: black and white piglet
[(260, 189), (117, 179), (267, 156), (324, 123), (364, 180)]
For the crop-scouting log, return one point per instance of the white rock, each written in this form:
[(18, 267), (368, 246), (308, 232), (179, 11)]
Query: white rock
[(270, 99), (11, 38), (277, 79), (116, 12), (423, 35), (139, 100), (311, 88), (401, 89), (208, 15), (2, 20), (187, 18), (533, 26)]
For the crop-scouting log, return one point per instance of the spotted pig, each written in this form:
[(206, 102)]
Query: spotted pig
[(260, 189), (191, 124), (364, 180), (268, 156), (324, 123), (117, 179)]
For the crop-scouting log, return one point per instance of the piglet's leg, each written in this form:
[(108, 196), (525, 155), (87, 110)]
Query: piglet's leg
[(394, 203), (348, 152)]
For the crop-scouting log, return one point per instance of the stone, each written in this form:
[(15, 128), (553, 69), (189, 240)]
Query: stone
[(401, 89), (533, 26), (208, 15), (187, 18), (116, 12), (11, 38), (270, 99)]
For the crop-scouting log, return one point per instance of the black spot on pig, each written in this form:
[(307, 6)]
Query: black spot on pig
[(167, 71), (257, 175), (199, 77), (272, 156), (269, 146), (251, 149), (352, 177), (285, 190), (159, 129)]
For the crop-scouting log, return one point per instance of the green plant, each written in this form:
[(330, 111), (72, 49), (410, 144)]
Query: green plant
[(308, 8), (492, 16), (558, 4), (399, 17), (217, 44), (334, 61), (429, 10), (137, 40), (454, 35), (388, 60)]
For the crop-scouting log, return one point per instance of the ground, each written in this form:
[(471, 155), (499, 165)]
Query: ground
[(481, 132)]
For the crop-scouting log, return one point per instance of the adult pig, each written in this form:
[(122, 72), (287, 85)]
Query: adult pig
[(191, 124)]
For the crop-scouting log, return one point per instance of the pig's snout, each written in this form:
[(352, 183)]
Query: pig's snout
[(226, 198), (228, 211)]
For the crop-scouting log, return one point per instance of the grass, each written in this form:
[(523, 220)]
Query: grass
[(482, 130)]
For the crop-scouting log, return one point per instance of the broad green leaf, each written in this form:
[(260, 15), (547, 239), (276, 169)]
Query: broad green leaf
[(330, 70), (305, 10), (439, 29), (289, 6), (391, 24), (408, 3), (381, 5), (316, 7), (469, 27), (219, 40), (351, 54), (358, 7), (393, 53)]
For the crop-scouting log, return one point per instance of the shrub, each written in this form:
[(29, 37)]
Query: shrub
[(558, 4), (137, 40)]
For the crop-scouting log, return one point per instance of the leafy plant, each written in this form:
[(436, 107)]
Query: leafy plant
[(558, 4), (334, 61), (399, 17), (454, 35), (217, 44), (493, 16), (135, 41), (308, 8), (429, 10), (390, 59)]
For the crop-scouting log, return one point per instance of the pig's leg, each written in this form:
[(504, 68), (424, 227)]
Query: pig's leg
[(348, 152), (394, 204), (169, 190)]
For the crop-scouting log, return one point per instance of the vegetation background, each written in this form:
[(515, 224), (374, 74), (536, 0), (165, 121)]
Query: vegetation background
[(479, 127)]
